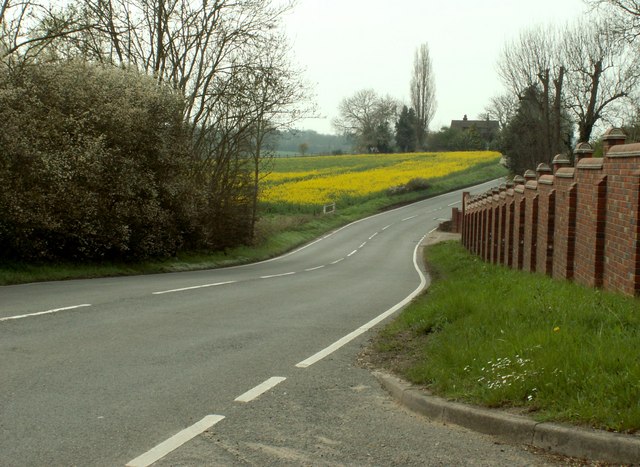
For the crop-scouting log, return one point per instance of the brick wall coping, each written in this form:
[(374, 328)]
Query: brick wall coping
[(546, 179), (624, 150), (591, 163), (509, 191), (519, 189), (566, 172), (532, 185)]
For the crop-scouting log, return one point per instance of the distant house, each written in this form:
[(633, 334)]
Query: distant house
[(487, 129)]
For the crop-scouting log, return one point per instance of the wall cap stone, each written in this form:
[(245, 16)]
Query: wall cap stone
[(624, 150), (532, 185), (566, 172), (591, 163), (546, 179)]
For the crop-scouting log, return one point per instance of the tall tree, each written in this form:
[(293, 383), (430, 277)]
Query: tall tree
[(407, 130), (423, 91), (367, 118)]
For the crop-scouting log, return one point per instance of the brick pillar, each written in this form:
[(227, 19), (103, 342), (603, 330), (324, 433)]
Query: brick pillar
[(530, 225), (590, 222), (546, 220), (495, 215), (509, 223), (622, 232), (518, 219), (564, 238), (502, 213), (613, 137)]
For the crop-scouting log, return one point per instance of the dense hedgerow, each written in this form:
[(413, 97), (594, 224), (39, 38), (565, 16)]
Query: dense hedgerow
[(94, 164)]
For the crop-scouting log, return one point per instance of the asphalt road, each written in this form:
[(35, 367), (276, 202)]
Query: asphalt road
[(223, 367)]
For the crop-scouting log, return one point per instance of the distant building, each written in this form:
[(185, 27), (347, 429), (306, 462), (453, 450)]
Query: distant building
[(487, 129)]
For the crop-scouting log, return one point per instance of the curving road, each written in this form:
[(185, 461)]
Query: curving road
[(109, 371)]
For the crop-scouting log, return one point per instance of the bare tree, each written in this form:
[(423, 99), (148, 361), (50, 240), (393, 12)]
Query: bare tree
[(423, 91), (27, 27), (602, 73), (534, 59), (368, 118), (624, 18), (501, 108)]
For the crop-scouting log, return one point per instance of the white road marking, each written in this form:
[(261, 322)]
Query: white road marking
[(175, 441), (337, 261), (194, 287), (373, 236), (352, 253), (260, 389), (278, 275), (453, 204), (362, 329), (314, 269), (48, 312), (362, 245), (409, 218), (386, 227)]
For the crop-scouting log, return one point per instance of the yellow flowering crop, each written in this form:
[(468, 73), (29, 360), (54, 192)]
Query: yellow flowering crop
[(335, 177)]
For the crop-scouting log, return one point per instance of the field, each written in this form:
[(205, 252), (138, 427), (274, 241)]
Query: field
[(315, 181)]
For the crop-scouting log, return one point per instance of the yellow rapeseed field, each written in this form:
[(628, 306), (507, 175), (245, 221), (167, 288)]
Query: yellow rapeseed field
[(330, 178)]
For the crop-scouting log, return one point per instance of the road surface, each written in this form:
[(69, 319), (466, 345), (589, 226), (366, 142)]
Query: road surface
[(239, 366)]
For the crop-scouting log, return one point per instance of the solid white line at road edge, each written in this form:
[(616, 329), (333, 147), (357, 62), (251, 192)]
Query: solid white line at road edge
[(362, 329), (175, 441), (260, 389), (48, 312)]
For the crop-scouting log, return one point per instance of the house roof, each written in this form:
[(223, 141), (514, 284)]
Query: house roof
[(480, 125)]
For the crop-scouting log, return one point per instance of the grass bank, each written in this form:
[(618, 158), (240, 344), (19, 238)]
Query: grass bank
[(488, 335), (279, 230)]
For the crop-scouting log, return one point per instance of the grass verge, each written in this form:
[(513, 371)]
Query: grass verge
[(278, 231), (496, 337)]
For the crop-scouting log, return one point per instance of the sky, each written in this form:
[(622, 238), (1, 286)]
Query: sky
[(344, 46)]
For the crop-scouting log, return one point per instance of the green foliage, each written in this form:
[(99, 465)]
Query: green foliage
[(558, 350), (94, 165), (290, 141), (407, 130), (453, 139)]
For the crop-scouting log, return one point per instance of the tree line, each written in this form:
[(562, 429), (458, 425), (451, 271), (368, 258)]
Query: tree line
[(564, 83), (133, 129)]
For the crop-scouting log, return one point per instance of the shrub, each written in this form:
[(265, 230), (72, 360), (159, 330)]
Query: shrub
[(94, 165)]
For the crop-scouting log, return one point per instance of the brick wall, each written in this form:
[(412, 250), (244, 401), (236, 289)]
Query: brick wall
[(577, 222)]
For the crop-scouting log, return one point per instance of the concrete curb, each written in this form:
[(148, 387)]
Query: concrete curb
[(569, 441)]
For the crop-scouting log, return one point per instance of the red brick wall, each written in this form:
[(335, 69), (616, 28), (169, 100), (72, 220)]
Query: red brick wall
[(529, 248), (580, 223), (589, 258), (546, 224)]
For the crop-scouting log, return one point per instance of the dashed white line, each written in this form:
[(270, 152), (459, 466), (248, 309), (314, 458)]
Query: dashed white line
[(175, 441), (352, 253), (48, 312), (278, 275), (362, 329), (373, 236), (361, 246), (337, 261), (386, 227), (260, 389), (315, 269), (453, 204), (409, 218), (194, 287)]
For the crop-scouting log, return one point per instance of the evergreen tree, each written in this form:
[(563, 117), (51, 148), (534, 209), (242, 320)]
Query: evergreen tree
[(407, 128)]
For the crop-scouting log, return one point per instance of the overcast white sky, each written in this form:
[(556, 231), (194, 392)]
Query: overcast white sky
[(348, 45)]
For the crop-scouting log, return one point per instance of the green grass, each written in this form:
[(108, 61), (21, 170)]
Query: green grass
[(280, 229), (488, 335)]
